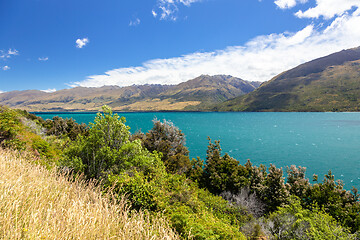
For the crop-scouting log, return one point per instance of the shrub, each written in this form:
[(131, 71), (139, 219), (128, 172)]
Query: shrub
[(294, 222), (106, 149), (166, 138)]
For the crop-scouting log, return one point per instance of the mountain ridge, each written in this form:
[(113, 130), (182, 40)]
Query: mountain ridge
[(194, 95), (330, 83)]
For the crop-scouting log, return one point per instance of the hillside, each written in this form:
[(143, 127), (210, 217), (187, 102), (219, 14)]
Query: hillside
[(48, 205), (167, 195), (196, 94), (330, 83)]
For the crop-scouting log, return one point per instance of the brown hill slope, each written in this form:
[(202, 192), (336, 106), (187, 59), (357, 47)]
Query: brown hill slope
[(330, 83), (196, 94)]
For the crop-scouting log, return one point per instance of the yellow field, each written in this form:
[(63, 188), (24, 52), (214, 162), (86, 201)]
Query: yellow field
[(38, 204)]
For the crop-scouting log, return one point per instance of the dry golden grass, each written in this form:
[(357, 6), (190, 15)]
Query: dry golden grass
[(157, 105), (39, 204)]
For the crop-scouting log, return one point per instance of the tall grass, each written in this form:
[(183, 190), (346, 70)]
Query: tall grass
[(36, 203)]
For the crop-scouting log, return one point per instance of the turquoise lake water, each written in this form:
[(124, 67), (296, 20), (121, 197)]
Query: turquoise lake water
[(318, 141)]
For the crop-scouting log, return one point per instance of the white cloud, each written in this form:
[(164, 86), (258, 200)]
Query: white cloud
[(169, 8), (329, 8), (80, 43), (1, 92), (5, 68), (154, 13), (283, 4), (43, 58), (258, 60), (9, 53), (50, 90), (134, 22), (13, 52)]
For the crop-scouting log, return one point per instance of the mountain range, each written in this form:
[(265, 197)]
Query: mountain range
[(196, 94), (330, 83)]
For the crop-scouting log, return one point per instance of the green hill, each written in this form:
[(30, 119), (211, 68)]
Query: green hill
[(330, 83), (196, 94)]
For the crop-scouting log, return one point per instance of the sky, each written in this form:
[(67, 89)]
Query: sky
[(51, 44)]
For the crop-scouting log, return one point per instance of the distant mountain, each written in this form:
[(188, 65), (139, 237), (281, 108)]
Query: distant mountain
[(208, 90), (196, 94), (330, 83)]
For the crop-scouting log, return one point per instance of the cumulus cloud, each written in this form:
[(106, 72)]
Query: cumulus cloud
[(80, 43), (169, 8), (1, 92), (5, 68), (9, 53), (50, 90), (329, 8), (134, 22), (284, 4), (258, 60), (43, 59)]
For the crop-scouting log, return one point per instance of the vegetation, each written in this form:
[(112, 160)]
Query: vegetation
[(127, 168), (64, 127), (213, 199), (166, 138), (41, 204), (23, 131)]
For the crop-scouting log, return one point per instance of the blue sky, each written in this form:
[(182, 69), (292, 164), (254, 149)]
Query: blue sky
[(52, 44)]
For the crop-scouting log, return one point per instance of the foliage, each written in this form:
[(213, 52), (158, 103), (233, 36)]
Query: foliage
[(330, 195), (106, 149), (275, 193), (19, 130), (65, 127), (40, 204), (193, 212), (196, 171), (294, 222), (254, 199), (10, 127), (223, 173), (247, 200), (297, 182), (166, 138)]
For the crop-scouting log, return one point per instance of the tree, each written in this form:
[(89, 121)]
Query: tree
[(196, 171), (275, 192), (59, 126), (294, 222), (166, 138), (298, 184), (223, 173), (106, 149), (342, 205)]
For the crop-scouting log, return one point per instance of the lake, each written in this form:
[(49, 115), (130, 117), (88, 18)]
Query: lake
[(318, 141)]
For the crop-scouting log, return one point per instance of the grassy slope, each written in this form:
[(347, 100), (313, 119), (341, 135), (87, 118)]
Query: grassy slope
[(331, 83), (41, 204)]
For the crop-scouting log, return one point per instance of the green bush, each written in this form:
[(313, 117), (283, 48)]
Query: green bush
[(192, 211), (106, 149), (294, 222), (166, 138)]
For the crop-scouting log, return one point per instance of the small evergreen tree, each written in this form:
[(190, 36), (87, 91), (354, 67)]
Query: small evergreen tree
[(275, 192), (223, 173)]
